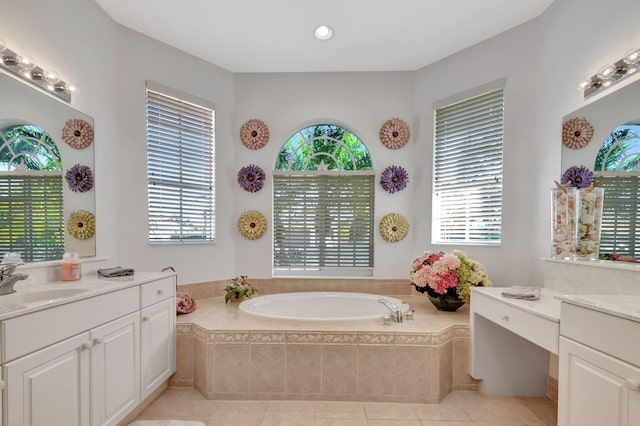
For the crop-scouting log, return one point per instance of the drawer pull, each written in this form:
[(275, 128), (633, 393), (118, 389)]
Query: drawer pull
[(2, 384), (98, 340), (145, 318), (633, 385), (160, 292), (87, 346), (504, 317)]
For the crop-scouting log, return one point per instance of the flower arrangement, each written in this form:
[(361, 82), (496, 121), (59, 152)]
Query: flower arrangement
[(239, 289), (440, 274)]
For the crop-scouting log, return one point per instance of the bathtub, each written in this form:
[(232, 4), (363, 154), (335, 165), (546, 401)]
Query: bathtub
[(320, 306)]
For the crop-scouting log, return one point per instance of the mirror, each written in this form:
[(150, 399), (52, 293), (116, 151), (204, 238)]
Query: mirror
[(614, 119), (32, 122)]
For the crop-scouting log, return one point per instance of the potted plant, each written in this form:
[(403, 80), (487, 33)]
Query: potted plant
[(239, 289)]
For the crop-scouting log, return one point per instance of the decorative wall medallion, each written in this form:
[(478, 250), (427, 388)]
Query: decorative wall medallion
[(252, 224), (251, 178), (77, 133), (81, 224), (254, 134), (577, 177), (394, 179), (393, 227), (79, 178), (576, 133), (394, 133)]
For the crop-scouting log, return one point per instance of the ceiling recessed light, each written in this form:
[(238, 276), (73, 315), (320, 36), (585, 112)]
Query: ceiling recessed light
[(323, 32)]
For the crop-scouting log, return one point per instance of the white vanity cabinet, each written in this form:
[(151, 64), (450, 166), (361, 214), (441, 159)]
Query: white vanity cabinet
[(81, 363), (158, 340), (599, 380)]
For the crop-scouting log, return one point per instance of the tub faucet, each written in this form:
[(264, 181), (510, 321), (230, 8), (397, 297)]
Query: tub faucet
[(8, 279), (396, 313)]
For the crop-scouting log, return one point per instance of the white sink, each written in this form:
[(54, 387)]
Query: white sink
[(41, 296)]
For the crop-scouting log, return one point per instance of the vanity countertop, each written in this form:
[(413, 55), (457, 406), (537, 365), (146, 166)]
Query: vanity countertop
[(35, 297), (547, 307), (624, 306)]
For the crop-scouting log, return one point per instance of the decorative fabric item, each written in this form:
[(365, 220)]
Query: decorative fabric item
[(254, 134), (251, 178), (79, 178), (577, 177), (82, 224), (77, 133), (576, 133), (393, 227), (394, 134), (394, 179), (252, 224)]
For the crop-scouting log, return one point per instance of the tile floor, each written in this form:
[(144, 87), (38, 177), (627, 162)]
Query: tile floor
[(459, 408)]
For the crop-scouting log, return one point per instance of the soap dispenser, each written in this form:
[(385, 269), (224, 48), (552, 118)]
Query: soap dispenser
[(71, 267)]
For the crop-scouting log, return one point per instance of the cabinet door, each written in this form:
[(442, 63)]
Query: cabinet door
[(596, 389), (50, 387), (158, 344), (115, 369)]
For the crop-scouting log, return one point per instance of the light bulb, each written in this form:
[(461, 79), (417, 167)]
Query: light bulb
[(632, 57), (51, 77), (607, 72), (585, 84), (27, 62), (323, 32)]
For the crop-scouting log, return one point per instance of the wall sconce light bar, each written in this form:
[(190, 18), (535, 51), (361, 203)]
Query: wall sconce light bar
[(611, 74), (25, 68)]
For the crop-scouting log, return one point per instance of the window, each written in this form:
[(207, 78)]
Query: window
[(323, 199), (616, 170), (180, 161), (467, 179), (31, 200)]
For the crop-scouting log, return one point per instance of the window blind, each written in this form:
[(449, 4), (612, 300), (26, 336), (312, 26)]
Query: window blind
[(180, 160), (32, 215), (620, 232), (467, 187), (323, 221)]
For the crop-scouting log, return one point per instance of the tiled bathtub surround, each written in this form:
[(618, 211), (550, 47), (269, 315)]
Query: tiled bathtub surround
[(228, 355), (211, 289)]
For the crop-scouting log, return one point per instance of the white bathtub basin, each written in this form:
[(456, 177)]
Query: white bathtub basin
[(320, 306)]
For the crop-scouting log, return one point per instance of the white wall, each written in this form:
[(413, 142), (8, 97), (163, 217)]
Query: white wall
[(576, 38), (511, 55), (542, 61), (76, 39), (361, 102), (142, 58)]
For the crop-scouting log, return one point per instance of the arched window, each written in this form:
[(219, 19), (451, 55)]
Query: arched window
[(616, 170), (323, 204), (31, 200)]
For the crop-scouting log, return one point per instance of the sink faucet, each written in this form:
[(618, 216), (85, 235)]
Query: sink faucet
[(395, 311), (8, 279)]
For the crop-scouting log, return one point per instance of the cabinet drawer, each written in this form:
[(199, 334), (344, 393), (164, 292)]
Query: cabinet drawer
[(157, 291), (30, 332), (603, 332), (541, 331)]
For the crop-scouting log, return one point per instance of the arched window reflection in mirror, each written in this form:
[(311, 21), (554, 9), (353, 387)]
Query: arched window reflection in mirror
[(31, 200), (616, 170)]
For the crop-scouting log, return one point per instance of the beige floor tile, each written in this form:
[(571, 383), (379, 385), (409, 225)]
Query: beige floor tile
[(341, 422), (446, 423), (386, 411), (340, 410), (291, 409), (287, 421), (236, 420), (439, 412), (394, 422)]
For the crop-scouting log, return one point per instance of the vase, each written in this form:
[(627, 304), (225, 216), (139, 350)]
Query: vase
[(448, 302), (589, 221), (563, 223)]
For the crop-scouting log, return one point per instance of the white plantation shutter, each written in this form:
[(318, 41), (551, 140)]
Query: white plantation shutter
[(180, 159), (620, 232), (32, 215), (323, 222), (467, 187)]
